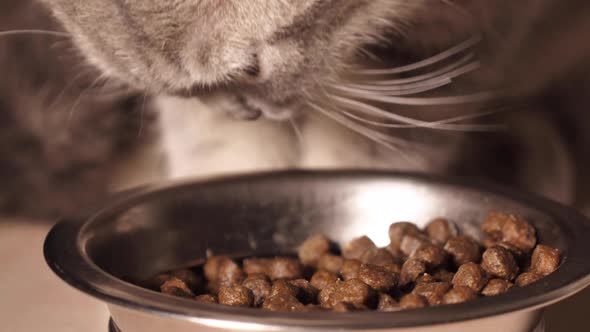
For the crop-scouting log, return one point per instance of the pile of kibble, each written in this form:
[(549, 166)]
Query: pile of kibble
[(419, 268)]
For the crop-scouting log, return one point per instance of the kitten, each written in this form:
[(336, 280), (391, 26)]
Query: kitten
[(288, 65), (247, 59)]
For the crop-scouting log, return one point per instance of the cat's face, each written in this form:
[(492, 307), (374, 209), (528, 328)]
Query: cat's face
[(272, 54)]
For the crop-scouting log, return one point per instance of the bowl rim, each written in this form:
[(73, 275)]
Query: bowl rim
[(65, 255)]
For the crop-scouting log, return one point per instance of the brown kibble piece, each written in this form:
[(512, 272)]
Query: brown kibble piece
[(176, 287), (488, 243), (396, 252), (284, 287), (322, 279), (356, 292), (441, 230), (190, 278), (207, 298), (459, 294), (284, 303), (351, 291), (443, 275), (211, 268), (393, 268), (327, 298), (350, 269), (398, 230), (236, 296), (344, 307), (545, 260), (470, 275), (357, 247), (412, 242), (426, 278), (411, 270), (432, 292), (347, 307), (463, 249), (502, 227), (413, 301), (527, 278), (284, 268), (229, 274), (518, 254), (519, 233), (154, 283), (313, 248), (262, 276), (378, 277), (499, 262), (256, 265), (330, 263), (307, 292), (433, 255), (493, 224), (496, 287), (379, 256), (387, 303), (260, 287)]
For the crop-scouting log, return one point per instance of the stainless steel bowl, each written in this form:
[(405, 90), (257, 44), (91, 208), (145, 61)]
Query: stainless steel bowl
[(156, 229)]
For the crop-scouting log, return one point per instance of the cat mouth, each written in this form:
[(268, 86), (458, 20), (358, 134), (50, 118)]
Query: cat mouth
[(249, 107), (271, 110), (245, 110)]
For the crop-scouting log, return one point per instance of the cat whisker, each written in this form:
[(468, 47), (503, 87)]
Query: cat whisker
[(72, 111), (34, 32), (473, 98), (376, 123), (376, 111), (66, 87), (464, 127), (367, 109), (358, 89), (429, 82), (458, 68), (297, 132), (388, 142), (426, 62), (366, 132), (109, 87), (398, 142)]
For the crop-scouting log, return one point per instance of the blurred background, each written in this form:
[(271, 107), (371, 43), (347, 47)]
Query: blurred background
[(64, 133)]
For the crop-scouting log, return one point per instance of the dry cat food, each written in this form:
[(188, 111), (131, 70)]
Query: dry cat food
[(419, 268)]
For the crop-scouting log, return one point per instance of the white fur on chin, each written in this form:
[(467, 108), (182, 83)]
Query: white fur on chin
[(200, 141)]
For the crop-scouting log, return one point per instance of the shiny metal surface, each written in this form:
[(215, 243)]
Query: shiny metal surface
[(156, 229), (539, 328)]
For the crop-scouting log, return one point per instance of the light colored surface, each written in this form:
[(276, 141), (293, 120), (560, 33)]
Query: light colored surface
[(32, 298)]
